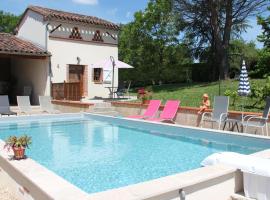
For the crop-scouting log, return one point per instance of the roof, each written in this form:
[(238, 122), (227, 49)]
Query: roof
[(10, 44), (50, 14)]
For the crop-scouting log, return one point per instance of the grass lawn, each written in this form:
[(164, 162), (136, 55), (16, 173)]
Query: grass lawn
[(190, 94)]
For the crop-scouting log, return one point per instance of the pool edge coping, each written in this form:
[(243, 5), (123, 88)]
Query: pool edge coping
[(137, 191), (184, 126)]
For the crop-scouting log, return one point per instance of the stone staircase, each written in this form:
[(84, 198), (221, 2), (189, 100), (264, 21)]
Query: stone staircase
[(104, 108)]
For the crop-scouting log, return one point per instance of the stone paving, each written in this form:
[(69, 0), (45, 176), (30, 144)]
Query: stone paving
[(5, 194)]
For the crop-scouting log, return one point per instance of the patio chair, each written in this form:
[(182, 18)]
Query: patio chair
[(46, 105), (121, 90), (4, 106), (219, 113), (169, 112), (150, 111), (256, 120)]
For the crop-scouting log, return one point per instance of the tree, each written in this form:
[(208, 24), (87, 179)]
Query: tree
[(238, 50), (213, 23), (151, 44), (262, 68), (265, 36), (8, 22)]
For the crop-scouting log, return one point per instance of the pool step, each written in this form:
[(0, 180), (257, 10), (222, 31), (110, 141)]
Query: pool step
[(240, 196)]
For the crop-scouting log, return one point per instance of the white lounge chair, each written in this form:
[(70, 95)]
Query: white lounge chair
[(256, 171), (219, 113), (4, 106), (46, 105), (24, 104)]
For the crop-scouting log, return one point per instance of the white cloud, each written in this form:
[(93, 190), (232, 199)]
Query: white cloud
[(87, 2)]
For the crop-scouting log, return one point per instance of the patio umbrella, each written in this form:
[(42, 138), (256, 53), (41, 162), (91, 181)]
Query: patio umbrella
[(244, 86), (111, 64)]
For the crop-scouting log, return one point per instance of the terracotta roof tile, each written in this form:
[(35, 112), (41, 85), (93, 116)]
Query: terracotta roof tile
[(10, 44), (48, 14)]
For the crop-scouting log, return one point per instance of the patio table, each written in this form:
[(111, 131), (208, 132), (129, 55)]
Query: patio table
[(234, 123), (112, 91)]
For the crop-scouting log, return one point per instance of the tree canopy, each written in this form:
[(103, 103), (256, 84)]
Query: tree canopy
[(212, 23), (151, 44), (265, 36), (8, 22)]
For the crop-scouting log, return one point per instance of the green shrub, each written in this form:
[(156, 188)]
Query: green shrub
[(262, 69), (233, 96), (260, 92)]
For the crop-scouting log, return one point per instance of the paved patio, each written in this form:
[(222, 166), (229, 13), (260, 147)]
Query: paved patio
[(5, 194)]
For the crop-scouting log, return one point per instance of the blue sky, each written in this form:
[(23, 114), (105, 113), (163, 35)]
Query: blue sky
[(113, 10)]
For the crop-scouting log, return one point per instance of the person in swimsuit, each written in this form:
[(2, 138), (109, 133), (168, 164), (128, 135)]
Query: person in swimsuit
[(204, 105)]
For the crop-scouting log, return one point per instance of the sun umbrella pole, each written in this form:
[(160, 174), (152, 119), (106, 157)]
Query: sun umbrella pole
[(242, 108), (113, 64)]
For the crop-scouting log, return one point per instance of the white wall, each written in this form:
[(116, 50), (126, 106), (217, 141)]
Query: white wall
[(65, 52), (34, 73), (33, 29)]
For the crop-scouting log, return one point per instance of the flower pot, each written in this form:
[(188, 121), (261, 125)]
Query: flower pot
[(18, 152), (145, 101)]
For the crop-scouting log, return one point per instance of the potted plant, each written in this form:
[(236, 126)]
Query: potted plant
[(18, 145), (145, 95)]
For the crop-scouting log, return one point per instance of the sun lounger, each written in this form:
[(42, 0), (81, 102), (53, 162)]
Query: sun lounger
[(150, 111), (4, 106), (169, 112), (24, 104), (46, 105), (256, 172)]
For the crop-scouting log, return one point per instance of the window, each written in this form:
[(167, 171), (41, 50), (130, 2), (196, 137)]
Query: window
[(97, 75)]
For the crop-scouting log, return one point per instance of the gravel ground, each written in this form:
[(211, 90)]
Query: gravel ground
[(5, 194)]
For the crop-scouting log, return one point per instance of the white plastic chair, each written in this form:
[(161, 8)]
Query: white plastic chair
[(256, 120), (219, 113)]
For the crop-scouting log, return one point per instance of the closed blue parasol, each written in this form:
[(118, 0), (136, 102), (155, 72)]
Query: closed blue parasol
[(244, 87)]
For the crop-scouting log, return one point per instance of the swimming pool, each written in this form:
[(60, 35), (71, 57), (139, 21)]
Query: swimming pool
[(98, 153)]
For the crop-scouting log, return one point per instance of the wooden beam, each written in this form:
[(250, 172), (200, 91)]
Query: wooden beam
[(6, 55)]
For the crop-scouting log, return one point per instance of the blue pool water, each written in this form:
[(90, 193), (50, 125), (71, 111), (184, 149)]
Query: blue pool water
[(98, 155)]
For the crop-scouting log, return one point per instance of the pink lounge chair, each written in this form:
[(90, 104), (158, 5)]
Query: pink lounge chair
[(150, 111), (169, 112)]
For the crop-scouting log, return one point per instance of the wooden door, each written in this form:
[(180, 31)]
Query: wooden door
[(75, 73)]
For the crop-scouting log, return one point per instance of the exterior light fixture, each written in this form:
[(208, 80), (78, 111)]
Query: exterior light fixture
[(78, 60)]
